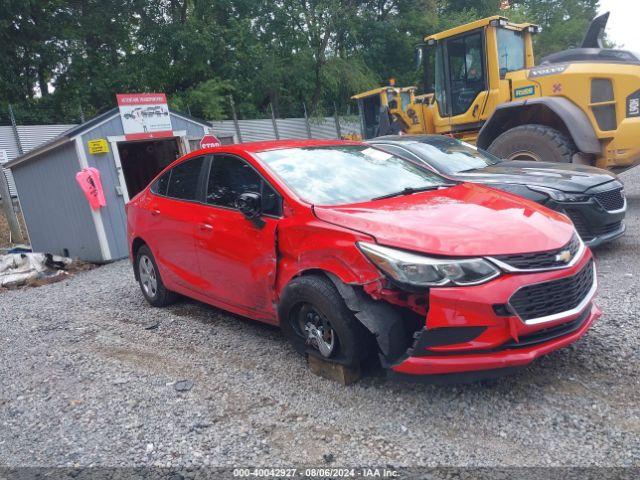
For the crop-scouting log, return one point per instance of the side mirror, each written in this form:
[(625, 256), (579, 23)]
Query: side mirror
[(250, 205)]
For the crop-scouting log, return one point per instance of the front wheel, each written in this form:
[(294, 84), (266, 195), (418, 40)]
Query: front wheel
[(316, 320), (534, 142)]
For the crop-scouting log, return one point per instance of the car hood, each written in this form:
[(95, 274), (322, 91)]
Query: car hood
[(564, 177), (465, 220)]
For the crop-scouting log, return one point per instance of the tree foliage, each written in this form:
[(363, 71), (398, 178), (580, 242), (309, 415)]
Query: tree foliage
[(563, 23), (58, 56)]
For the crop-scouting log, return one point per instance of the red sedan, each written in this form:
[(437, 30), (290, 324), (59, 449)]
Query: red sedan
[(360, 254)]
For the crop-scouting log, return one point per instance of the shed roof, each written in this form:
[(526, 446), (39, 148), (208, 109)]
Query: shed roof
[(71, 133)]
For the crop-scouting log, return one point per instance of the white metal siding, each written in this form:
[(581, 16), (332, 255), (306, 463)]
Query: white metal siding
[(262, 129), (223, 127), (31, 136)]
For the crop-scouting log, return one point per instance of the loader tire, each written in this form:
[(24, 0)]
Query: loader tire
[(534, 142)]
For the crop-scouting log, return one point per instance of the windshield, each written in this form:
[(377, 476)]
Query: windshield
[(450, 156), (510, 51), (344, 174)]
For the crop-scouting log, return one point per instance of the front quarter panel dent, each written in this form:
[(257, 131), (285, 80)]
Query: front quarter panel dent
[(318, 246), (380, 318)]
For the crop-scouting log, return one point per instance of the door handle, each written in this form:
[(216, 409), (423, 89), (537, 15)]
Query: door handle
[(155, 212), (206, 227)]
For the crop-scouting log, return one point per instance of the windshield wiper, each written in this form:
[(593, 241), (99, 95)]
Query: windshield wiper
[(411, 190)]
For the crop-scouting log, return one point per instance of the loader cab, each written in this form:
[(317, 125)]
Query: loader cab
[(466, 69), (383, 110)]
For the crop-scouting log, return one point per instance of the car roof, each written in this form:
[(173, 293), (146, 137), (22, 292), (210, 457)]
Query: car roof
[(406, 139), (255, 147)]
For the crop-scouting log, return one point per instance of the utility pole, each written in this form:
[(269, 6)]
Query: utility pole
[(275, 124), (306, 120), (337, 119), (235, 119), (15, 130), (81, 112)]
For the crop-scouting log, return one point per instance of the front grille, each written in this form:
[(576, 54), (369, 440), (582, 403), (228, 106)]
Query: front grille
[(581, 224), (541, 260), (611, 199), (556, 296)]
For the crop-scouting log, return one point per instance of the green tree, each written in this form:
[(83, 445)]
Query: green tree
[(564, 22), (206, 100)]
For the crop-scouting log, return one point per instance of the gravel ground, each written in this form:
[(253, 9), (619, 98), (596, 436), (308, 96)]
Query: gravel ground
[(89, 376)]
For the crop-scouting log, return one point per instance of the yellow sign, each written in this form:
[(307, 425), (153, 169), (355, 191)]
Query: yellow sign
[(98, 146)]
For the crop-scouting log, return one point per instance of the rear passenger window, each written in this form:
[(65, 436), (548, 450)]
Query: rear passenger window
[(160, 186), (230, 177), (183, 182)]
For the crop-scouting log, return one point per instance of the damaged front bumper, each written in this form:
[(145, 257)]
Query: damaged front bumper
[(484, 364), (477, 330)]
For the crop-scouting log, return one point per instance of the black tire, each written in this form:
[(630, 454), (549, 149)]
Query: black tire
[(534, 142), (354, 341), (158, 296)]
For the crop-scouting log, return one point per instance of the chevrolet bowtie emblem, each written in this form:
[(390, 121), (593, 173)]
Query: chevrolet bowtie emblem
[(563, 256)]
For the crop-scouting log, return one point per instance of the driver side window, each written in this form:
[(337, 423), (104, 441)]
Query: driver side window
[(229, 177), (466, 71)]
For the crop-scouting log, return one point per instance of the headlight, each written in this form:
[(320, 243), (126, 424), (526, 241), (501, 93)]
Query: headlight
[(560, 196), (413, 269)]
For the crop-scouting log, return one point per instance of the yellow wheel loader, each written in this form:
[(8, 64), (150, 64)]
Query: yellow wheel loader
[(483, 86)]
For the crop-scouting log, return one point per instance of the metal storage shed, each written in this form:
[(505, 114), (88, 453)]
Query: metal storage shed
[(58, 217)]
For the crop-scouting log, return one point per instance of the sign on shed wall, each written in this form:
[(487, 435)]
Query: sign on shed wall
[(99, 145), (144, 115)]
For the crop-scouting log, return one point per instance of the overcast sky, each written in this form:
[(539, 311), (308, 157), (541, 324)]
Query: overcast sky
[(623, 22)]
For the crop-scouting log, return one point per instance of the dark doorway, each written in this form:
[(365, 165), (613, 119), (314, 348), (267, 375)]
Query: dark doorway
[(142, 161), (371, 114)]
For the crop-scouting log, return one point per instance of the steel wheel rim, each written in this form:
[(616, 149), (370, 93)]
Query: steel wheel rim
[(316, 329), (524, 155), (148, 277)]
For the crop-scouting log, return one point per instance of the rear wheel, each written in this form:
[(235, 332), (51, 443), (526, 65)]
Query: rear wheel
[(316, 320), (150, 281), (534, 142)]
